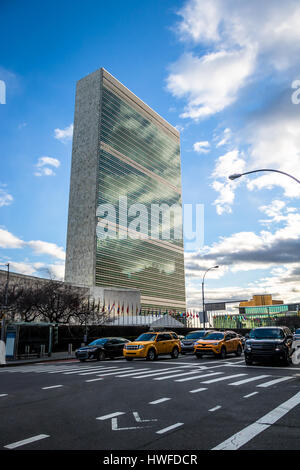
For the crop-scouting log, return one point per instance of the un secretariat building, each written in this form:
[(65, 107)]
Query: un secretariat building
[(124, 157)]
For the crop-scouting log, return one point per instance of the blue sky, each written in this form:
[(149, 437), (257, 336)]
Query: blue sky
[(219, 70)]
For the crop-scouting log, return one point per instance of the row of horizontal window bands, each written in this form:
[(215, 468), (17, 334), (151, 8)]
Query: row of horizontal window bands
[(108, 266), (173, 288), (139, 152), (115, 123), (154, 139), (156, 135), (141, 249), (147, 309), (145, 249), (116, 106), (113, 168), (152, 273), (169, 174), (145, 290), (135, 147)]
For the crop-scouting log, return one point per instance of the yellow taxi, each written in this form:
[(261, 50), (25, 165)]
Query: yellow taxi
[(219, 344), (152, 344)]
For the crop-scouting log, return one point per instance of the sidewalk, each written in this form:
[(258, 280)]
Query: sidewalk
[(60, 356)]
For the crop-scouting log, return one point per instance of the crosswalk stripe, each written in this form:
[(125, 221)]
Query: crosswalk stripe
[(111, 415), (247, 434), (252, 379), (104, 374), (199, 376), (89, 371), (250, 395), (198, 390), (141, 371), (97, 371), (160, 400), (26, 441), (272, 382), (166, 371), (176, 375), (222, 378)]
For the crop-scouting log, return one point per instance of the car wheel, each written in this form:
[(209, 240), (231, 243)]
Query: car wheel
[(198, 355), (223, 353), (183, 353), (151, 356), (175, 353), (239, 351), (129, 358), (101, 356), (249, 362), (82, 360)]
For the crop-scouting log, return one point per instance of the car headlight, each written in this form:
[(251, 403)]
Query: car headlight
[(279, 347), (141, 346), (248, 347)]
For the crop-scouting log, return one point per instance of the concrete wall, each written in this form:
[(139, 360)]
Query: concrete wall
[(81, 236)]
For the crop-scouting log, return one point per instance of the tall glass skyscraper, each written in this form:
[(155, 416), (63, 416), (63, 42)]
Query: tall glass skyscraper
[(124, 226)]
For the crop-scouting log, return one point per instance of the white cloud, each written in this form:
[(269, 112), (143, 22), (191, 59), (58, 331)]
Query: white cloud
[(8, 240), (65, 134), (211, 82), (43, 170), (5, 198), (242, 38), (202, 146), (226, 136), (46, 248)]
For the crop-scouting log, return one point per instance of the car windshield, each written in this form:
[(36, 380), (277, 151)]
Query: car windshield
[(214, 336), (266, 333), (195, 335), (147, 337), (98, 341)]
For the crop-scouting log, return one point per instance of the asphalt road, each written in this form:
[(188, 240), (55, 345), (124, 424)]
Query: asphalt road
[(183, 404)]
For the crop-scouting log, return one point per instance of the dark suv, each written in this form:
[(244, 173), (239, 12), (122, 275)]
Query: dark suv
[(272, 342)]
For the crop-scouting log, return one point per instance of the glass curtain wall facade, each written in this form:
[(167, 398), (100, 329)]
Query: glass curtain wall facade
[(139, 160), (126, 156)]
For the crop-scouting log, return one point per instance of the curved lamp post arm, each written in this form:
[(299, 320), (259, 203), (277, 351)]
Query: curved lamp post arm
[(238, 175)]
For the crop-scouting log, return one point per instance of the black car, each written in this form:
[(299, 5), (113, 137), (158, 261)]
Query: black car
[(187, 343), (102, 348), (269, 343)]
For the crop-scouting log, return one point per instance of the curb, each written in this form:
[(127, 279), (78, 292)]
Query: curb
[(23, 363)]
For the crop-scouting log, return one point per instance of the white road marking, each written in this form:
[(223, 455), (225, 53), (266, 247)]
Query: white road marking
[(199, 376), (215, 408), (252, 379), (111, 415), (250, 395), (176, 375), (141, 371), (3, 395), (114, 426), (94, 371), (110, 369), (105, 374), (198, 390), (160, 400), (241, 438), (222, 378), (276, 381), (52, 386), (93, 380), (139, 419), (151, 374), (26, 441), (169, 428)]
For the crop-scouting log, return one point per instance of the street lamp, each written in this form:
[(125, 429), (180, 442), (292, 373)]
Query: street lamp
[(238, 175), (203, 301)]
